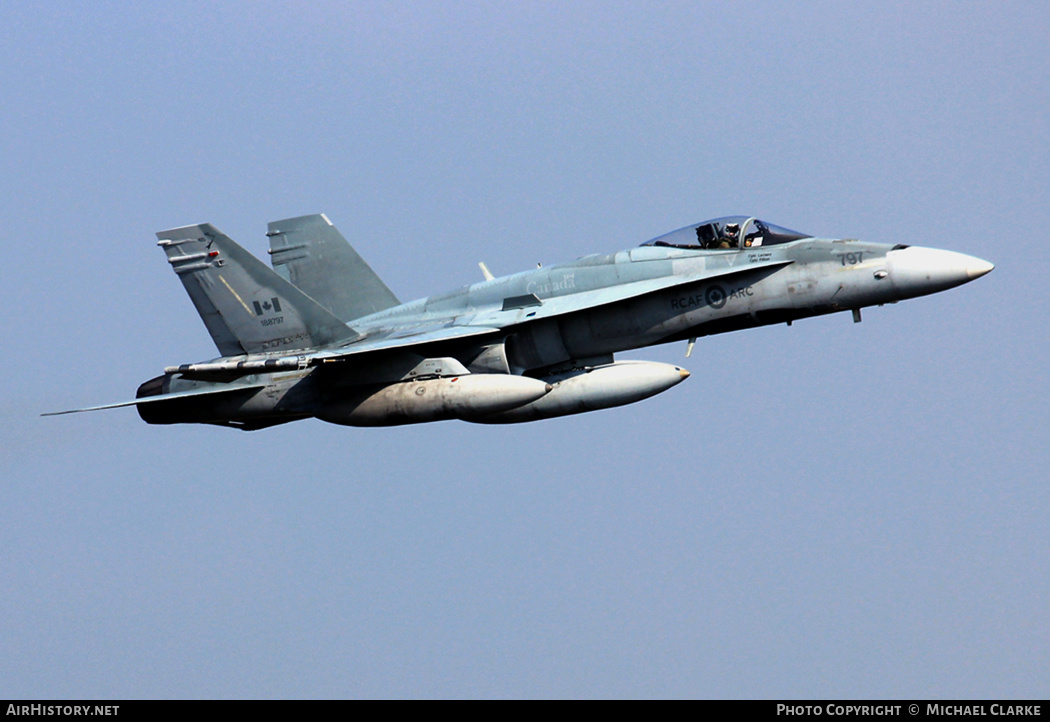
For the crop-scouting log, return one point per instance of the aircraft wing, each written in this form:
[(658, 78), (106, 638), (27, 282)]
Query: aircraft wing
[(523, 309), (418, 335)]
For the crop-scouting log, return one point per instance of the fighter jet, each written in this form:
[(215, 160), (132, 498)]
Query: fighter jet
[(319, 335)]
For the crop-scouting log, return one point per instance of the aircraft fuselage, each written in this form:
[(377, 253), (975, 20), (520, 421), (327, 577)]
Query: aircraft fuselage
[(744, 289), (533, 345)]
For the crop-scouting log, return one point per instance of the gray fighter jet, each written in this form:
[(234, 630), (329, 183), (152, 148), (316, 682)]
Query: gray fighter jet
[(320, 335)]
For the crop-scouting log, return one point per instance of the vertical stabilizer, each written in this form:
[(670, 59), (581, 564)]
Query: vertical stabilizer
[(311, 253), (247, 307)]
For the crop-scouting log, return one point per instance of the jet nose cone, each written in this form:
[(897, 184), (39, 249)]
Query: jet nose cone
[(917, 271), (978, 268)]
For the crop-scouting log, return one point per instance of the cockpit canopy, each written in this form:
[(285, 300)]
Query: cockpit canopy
[(728, 233)]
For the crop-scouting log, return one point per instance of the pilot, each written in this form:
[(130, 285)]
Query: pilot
[(731, 236)]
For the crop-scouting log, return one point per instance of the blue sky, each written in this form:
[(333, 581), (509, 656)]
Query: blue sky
[(824, 510)]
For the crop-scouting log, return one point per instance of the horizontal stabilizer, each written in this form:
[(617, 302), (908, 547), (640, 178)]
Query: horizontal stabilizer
[(408, 340), (311, 253), (165, 397)]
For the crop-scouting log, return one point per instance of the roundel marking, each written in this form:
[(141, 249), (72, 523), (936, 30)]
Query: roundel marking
[(715, 296)]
